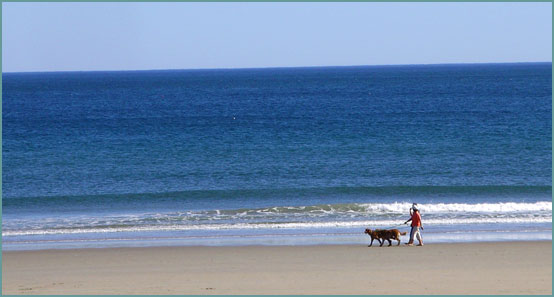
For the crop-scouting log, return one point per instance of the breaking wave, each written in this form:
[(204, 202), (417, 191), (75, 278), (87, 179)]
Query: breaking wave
[(292, 217)]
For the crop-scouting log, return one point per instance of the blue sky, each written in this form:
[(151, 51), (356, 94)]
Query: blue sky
[(131, 36)]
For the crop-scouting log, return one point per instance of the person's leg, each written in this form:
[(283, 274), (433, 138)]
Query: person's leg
[(418, 236), (411, 241)]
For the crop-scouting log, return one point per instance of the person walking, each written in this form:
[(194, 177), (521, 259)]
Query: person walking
[(416, 224)]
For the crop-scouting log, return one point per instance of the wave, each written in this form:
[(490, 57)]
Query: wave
[(401, 207), (466, 207), (331, 211), (316, 216), (290, 225)]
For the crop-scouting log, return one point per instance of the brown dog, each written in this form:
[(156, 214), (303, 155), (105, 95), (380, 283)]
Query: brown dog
[(382, 235), (374, 235)]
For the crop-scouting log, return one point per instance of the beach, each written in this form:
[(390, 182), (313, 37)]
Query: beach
[(226, 160), (449, 268), (261, 181)]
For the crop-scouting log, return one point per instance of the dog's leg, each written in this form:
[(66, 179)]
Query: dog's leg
[(381, 241), (390, 242), (398, 241), (371, 242)]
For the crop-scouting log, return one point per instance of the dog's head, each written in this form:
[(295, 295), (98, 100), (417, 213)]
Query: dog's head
[(367, 231)]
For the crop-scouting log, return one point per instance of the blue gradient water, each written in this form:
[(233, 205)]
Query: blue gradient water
[(275, 156)]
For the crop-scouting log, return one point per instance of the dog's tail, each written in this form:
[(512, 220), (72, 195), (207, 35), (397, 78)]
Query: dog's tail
[(403, 233)]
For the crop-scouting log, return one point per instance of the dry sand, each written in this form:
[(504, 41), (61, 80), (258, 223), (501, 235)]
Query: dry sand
[(472, 268)]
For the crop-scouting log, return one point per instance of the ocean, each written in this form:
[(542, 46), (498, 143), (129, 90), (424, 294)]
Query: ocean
[(276, 156)]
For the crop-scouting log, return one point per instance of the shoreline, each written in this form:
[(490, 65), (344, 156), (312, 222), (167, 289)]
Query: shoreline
[(365, 242), (519, 267), (268, 239)]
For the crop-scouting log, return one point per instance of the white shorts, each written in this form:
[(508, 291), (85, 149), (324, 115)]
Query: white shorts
[(414, 233)]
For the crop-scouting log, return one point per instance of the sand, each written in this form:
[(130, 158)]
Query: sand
[(461, 268)]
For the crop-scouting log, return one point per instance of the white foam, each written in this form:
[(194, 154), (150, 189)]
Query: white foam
[(398, 208), (487, 207), (296, 225)]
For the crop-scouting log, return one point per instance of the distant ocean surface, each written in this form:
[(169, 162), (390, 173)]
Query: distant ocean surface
[(275, 156)]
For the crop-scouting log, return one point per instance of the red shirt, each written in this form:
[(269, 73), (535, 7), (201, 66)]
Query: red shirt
[(416, 219)]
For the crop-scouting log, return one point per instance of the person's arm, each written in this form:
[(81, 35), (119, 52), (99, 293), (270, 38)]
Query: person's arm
[(411, 214)]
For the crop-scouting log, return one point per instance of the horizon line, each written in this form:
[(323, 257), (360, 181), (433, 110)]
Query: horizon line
[(277, 67)]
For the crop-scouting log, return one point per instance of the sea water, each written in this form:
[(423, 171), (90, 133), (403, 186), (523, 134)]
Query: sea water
[(276, 156)]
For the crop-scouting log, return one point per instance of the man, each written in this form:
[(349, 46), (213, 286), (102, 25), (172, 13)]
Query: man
[(416, 224)]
